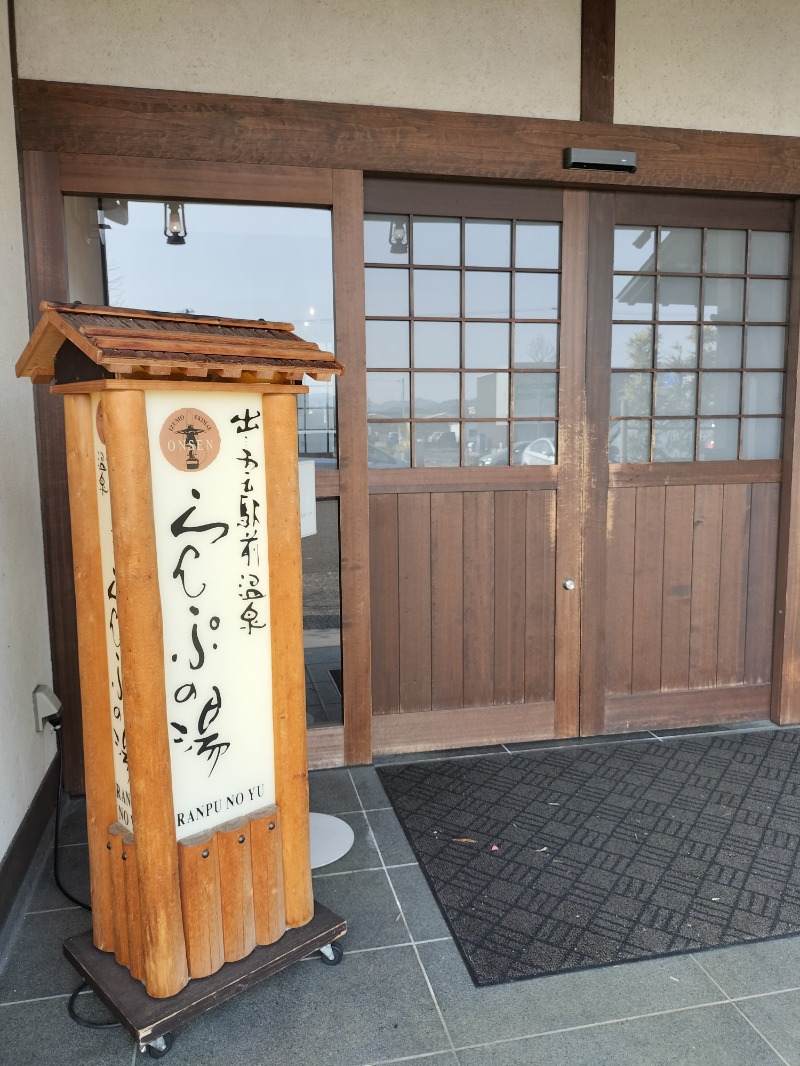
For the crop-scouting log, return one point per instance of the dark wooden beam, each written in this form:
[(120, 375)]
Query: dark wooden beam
[(157, 124), (598, 18)]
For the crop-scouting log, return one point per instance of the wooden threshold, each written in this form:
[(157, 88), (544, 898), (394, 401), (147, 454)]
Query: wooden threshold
[(472, 727), (325, 747), (680, 710)]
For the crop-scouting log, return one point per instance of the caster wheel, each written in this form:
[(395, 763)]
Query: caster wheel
[(331, 954), (159, 1047)]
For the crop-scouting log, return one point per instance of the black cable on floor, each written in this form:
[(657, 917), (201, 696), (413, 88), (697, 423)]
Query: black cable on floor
[(56, 724), (85, 1022)]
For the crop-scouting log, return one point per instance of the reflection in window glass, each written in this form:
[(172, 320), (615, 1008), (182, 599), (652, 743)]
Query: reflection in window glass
[(487, 243), (486, 395), (535, 345), (722, 346), (535, 395), (766, 300), (763, 394), (437, 444), (630, 394), (675, 394), (634, 248), (486, 443), (389, 444), (719, 394), (633, 297), (679, 251), (486, 344), (437, 294), (718, 439), (387, 344), (487, 295), (437, 241), (725, 250), (676, 346), (322, 619), (386, 292), (673, 440), (629, 442), (386, 239), (723, 300), (534, 444), (388, 395), (536, 296), (766, 346), (769, 253), (761, 438), (437, 344), (678, 298), (538, 246), (631, 346), (436, 395)]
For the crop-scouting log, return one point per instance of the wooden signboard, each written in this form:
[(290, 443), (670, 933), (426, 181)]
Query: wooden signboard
[(182, 461)]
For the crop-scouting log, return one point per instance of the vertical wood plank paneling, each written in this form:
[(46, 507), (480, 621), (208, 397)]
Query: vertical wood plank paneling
[(414, 573), (447, 600), (598, 23), (648, 585), (540, 554), (619, 601), (479, 598), (705, 586), (761, 583), (510, 595), (384, 597), (733, 587), (676, 615)]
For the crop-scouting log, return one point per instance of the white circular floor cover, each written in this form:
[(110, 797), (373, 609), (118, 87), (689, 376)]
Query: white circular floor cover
[(331, 838)]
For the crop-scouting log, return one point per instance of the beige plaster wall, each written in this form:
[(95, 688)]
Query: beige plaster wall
[(515, 57), (24, 641), (709, 64)]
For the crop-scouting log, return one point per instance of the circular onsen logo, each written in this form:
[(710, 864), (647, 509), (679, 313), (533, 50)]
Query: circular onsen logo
[(189, 439)]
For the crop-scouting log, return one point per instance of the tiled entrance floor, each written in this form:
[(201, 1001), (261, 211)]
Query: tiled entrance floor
[(402, 993)]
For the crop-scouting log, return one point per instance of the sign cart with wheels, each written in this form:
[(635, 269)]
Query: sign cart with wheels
[(181, 438)]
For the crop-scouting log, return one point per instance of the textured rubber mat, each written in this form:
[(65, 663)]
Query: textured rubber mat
[(565, 859)]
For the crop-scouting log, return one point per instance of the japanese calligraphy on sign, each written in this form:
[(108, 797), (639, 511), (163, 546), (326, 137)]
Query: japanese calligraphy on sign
[(209, 499)]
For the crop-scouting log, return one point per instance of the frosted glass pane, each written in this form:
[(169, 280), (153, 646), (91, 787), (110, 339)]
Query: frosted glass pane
[(678, 298), (631, 394), (725, 251), (766, 346), (679, 250), (634, 248), (386, 239), (386, 291), (763, 394), (766, 300), (538, 245), (437, 344), (633, 297), (719, 394), (486, 344), (676, 346), (388, 395), (387, 344), (535, 395), (436, 395), (723, 299), (673, 440), (761, 438), (631, 346), (676, 394), (722, 346), (486, 395), (536, 296), (487, 295), (437, 241), (437, 293), (629, 442), (769, 253), (487, 243), (535, 344), (719, 440)]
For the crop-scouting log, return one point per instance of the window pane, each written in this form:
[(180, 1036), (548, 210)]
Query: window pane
[(723, 299), (536, 296), (437, 344), (676, 394), (673, 440), (631, 346), (487, 295), (769, 253), (388, 395), (629, 442), (761, 438), (437, 293), (535, 395), (634, 248), (722, 346), (676, 346), (719, 394), (389, 444), (719, 440), (678, 298), (725, 250), (437, 241), (387, 344), (538, 245), (486, 395), (534, 444), (766, 346), (386, 291), (486, 443), (535, 345), (487, 243), (766, 300), (633, 297), (436, 396), (437, 444), (679, 250), (631, 394), (386, 239), (763, 394), (486, 344)]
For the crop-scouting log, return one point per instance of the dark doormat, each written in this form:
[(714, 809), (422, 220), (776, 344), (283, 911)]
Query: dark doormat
[(577, 857)]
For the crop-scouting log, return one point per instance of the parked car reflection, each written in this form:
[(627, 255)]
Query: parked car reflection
[(539, 452)]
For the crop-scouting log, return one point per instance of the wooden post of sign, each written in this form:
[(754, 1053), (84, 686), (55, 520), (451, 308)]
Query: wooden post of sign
[(288, 670), (142, 648), (98, 746)]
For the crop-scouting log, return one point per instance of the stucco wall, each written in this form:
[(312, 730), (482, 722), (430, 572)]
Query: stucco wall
[(24, 642), (515, 57), (717, 64)]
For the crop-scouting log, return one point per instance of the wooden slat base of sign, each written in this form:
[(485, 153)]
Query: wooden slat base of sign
[(146, 1018)]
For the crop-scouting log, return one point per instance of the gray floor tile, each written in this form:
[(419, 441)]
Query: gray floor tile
[(349, 1015), (750, 969), (363, 855), (419, 907), (712, 1036), (778, 1019), (523, 1008), (72, 828), (448, 753), (332, 792), (390, 837), (442, 1058), (73, 869), (36, 965), (370, 791), (367, 902), (43, 1034)]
